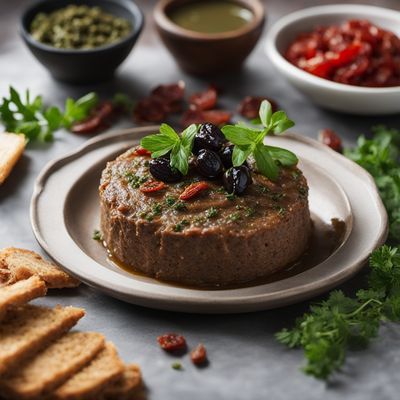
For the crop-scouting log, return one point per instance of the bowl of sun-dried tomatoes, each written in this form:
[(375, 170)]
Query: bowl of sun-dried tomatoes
[(343, 57)]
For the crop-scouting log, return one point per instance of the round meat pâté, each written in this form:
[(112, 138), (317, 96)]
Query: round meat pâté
[(212, 239)]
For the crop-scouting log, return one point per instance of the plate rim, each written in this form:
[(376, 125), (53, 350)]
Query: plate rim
[(295, 294)]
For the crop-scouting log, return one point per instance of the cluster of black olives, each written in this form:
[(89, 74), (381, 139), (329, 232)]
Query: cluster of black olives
[(213, 159)]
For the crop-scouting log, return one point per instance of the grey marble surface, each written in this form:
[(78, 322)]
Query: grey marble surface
[(246, 361)]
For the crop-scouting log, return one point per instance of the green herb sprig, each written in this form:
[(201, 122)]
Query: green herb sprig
[(340, 323), (250, 141), (27, 115), (169, 141)]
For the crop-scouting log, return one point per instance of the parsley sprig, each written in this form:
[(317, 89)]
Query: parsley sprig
[(250, 141), (27, 115), (340, 323), (168, 141)]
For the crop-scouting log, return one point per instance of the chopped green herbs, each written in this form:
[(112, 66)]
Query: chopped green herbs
[(250, 141), (169, 141), (234, 217), (177, 366), (249, 211), (175, 204), (157, 209), (97, 235), (230, 196), (27, 115), (135, 181), (180, 225), (212, 212)]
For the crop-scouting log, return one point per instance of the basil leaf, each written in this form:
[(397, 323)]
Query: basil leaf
[(78, 110), (188, 136), (265, 164), (158, 142), (167, 130), (240, 154), (285, 157), (54, 117), (281, 122), (179, 159), (265, 113), (239, 135)]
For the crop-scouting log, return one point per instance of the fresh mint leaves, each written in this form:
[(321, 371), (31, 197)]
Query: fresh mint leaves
[(28, 115), (250, 141), (168, 141)]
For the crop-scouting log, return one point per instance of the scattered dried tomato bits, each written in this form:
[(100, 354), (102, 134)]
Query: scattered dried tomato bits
[(206, 100), (193, 190), (250, 106), (140, 151), (331, 139), (98, 119), (172, 342), (199, 355), (152, 186)]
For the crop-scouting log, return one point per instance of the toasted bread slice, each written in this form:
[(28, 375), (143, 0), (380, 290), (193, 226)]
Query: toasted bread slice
[(28, 329), (11, 148), (127, 387), (92, 380), (50, 368), (24, 263), (20, 293)]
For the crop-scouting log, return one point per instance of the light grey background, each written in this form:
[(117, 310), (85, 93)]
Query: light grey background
[(246, 361)]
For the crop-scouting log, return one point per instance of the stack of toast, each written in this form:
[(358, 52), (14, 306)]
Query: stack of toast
[(40, 358)]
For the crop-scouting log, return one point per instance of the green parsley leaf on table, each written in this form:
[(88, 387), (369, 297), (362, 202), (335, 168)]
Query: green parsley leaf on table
[(169, 141), (250, 141), (28, 116)]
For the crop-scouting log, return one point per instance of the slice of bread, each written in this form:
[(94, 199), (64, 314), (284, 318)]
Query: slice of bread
[(127, 387), (47, 370), (28, 329), (92, 380), (20, 293), (11, 148), (24, 263)]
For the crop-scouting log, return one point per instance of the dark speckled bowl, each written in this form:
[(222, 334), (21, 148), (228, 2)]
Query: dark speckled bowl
[(83, 66)]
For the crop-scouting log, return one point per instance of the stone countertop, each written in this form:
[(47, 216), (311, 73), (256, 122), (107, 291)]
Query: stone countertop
[(246, 362)]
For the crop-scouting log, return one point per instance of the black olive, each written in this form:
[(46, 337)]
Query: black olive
[(237, 179), (226, 156), (209, 164), (161, 169), (208, 137)]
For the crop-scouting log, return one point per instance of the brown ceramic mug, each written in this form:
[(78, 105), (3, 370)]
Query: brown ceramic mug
[(209, 53)]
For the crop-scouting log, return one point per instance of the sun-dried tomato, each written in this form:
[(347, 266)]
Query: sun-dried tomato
[(152, 186), (140, 151), (206, 100), (99, 119), (149, 110), (193, 190), (330, 138), (250, 106), (356, 52), (170, 93), (194, 116), (172, 342), (199, 355)]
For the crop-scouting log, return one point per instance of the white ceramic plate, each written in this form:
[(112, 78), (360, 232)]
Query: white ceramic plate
[(65, 211)]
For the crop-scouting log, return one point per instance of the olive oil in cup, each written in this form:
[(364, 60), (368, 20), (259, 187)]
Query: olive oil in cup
[(211, 16)]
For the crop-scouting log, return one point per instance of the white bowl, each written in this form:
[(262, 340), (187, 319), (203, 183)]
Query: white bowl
[(328, 94)]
